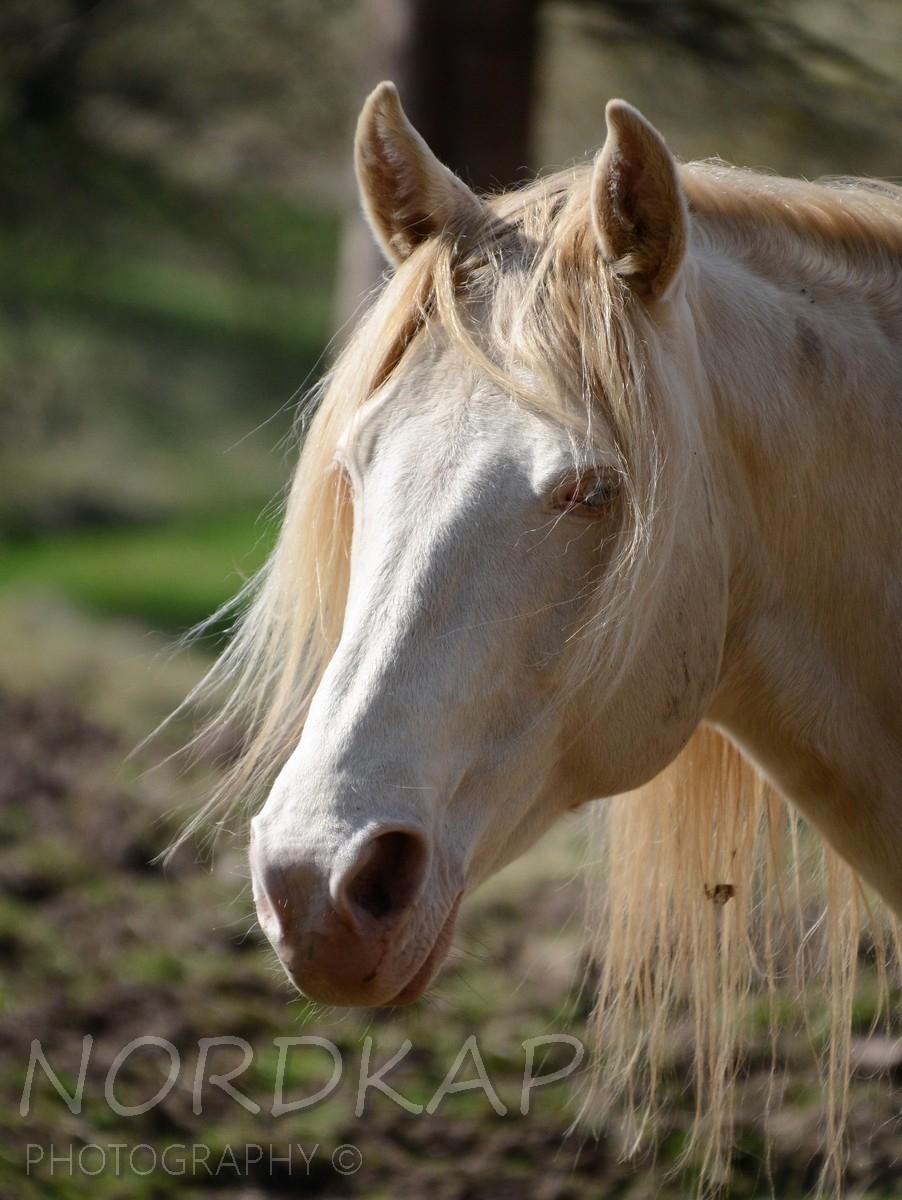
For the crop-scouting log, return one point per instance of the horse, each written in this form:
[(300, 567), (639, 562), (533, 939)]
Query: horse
[(598, 509)]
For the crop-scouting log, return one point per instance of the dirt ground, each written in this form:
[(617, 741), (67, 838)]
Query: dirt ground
[(98, 939)]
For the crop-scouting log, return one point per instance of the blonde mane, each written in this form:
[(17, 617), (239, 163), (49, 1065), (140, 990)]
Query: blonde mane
[(708, 890), (850, 222)]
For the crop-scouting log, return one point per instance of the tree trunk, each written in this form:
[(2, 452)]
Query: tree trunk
[(465, 70)]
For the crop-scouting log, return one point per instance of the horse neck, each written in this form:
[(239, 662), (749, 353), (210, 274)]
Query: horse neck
[(803, 357)]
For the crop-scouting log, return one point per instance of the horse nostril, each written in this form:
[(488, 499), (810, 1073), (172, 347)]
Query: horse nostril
[(385, 878)]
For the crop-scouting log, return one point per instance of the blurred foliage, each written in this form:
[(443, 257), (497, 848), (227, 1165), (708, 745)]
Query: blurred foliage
[(153, 327), (147, 332), (751, 36), (264, 83), (806, 87), (774, 48)]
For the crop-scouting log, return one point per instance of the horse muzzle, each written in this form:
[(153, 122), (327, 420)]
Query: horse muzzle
[(357, 927)]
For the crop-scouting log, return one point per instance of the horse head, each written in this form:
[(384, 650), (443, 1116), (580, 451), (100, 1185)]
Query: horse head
[(503, 510)]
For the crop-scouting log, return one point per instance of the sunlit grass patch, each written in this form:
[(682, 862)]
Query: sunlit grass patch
[(170, 575)]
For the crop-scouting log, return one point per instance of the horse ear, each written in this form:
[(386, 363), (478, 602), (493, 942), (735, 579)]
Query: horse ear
[(407, 194), (638, 208)]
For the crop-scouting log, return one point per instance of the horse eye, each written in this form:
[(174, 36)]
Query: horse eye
[(589, 494), (600, 496)]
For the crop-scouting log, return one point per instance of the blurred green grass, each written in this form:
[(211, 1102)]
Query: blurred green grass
[(170, 575), (153, 335), (189, 300)]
